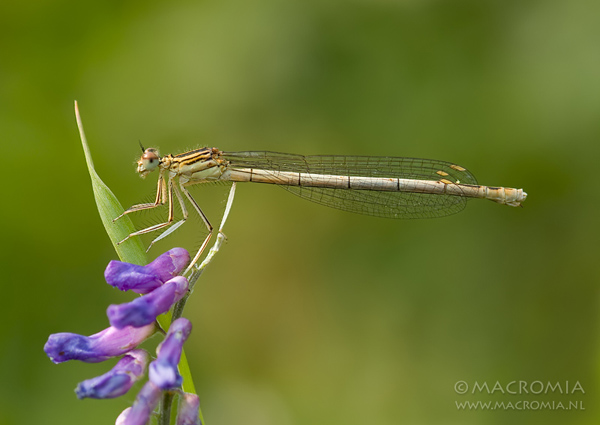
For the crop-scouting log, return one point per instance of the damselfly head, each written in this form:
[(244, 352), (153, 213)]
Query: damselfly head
[(148, 162)]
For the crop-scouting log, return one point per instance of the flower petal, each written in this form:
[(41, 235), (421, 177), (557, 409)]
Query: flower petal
[(163, 371), (189, 408), (126, 276), (144, 279), (169, 264), (145, 309), (142, 408), (108, 343), (118, 380), (123, 416)]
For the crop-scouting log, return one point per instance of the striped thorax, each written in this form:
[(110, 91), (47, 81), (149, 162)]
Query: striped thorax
[(204, 164)]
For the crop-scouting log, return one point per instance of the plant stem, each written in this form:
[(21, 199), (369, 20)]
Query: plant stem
[(165, 409)]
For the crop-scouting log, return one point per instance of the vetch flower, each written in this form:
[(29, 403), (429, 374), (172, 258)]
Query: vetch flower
[(118, 380), (108, 343), (142, 408), (145, 309), (131, 324), (144, 279), (189, 408), (163, 371)]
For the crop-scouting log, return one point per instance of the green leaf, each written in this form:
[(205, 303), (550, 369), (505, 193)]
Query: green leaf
[(130, 251), (109, 207)]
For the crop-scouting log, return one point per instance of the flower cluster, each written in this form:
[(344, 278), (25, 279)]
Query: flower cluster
[(131, 324)]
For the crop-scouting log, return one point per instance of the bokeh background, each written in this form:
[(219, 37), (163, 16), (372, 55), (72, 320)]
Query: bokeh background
[(311, 315)]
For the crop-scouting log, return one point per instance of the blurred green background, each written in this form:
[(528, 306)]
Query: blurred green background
[(311, 315)]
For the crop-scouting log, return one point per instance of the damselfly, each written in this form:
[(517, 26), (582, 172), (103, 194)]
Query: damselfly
[(389, 187)]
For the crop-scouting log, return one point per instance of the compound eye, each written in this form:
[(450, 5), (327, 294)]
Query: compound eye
[(149, 161)]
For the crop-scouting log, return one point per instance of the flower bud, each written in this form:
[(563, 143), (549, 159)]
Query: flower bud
[(144, 279), (189, 410), (143, 406), (163, 371), (118, 380), (96, 348), (145, 309)]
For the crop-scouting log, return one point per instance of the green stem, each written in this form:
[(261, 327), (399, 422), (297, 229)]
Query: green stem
[(184, 369), (164, 417), (180, 305)]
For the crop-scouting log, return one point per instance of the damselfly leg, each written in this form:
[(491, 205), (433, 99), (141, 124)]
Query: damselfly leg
[(170, 188)]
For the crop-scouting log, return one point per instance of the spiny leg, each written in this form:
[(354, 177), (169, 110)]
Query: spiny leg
[(188, 195), (204, 219), (176, 225), (220, 238), (161, 225), (160, 193)]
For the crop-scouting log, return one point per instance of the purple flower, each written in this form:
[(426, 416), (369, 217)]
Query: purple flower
[(142, 408), (189, 408), (105, 344), (170, 264), (118, 380), (131, 324), (163, 371), (145, 309), (144, 279)]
